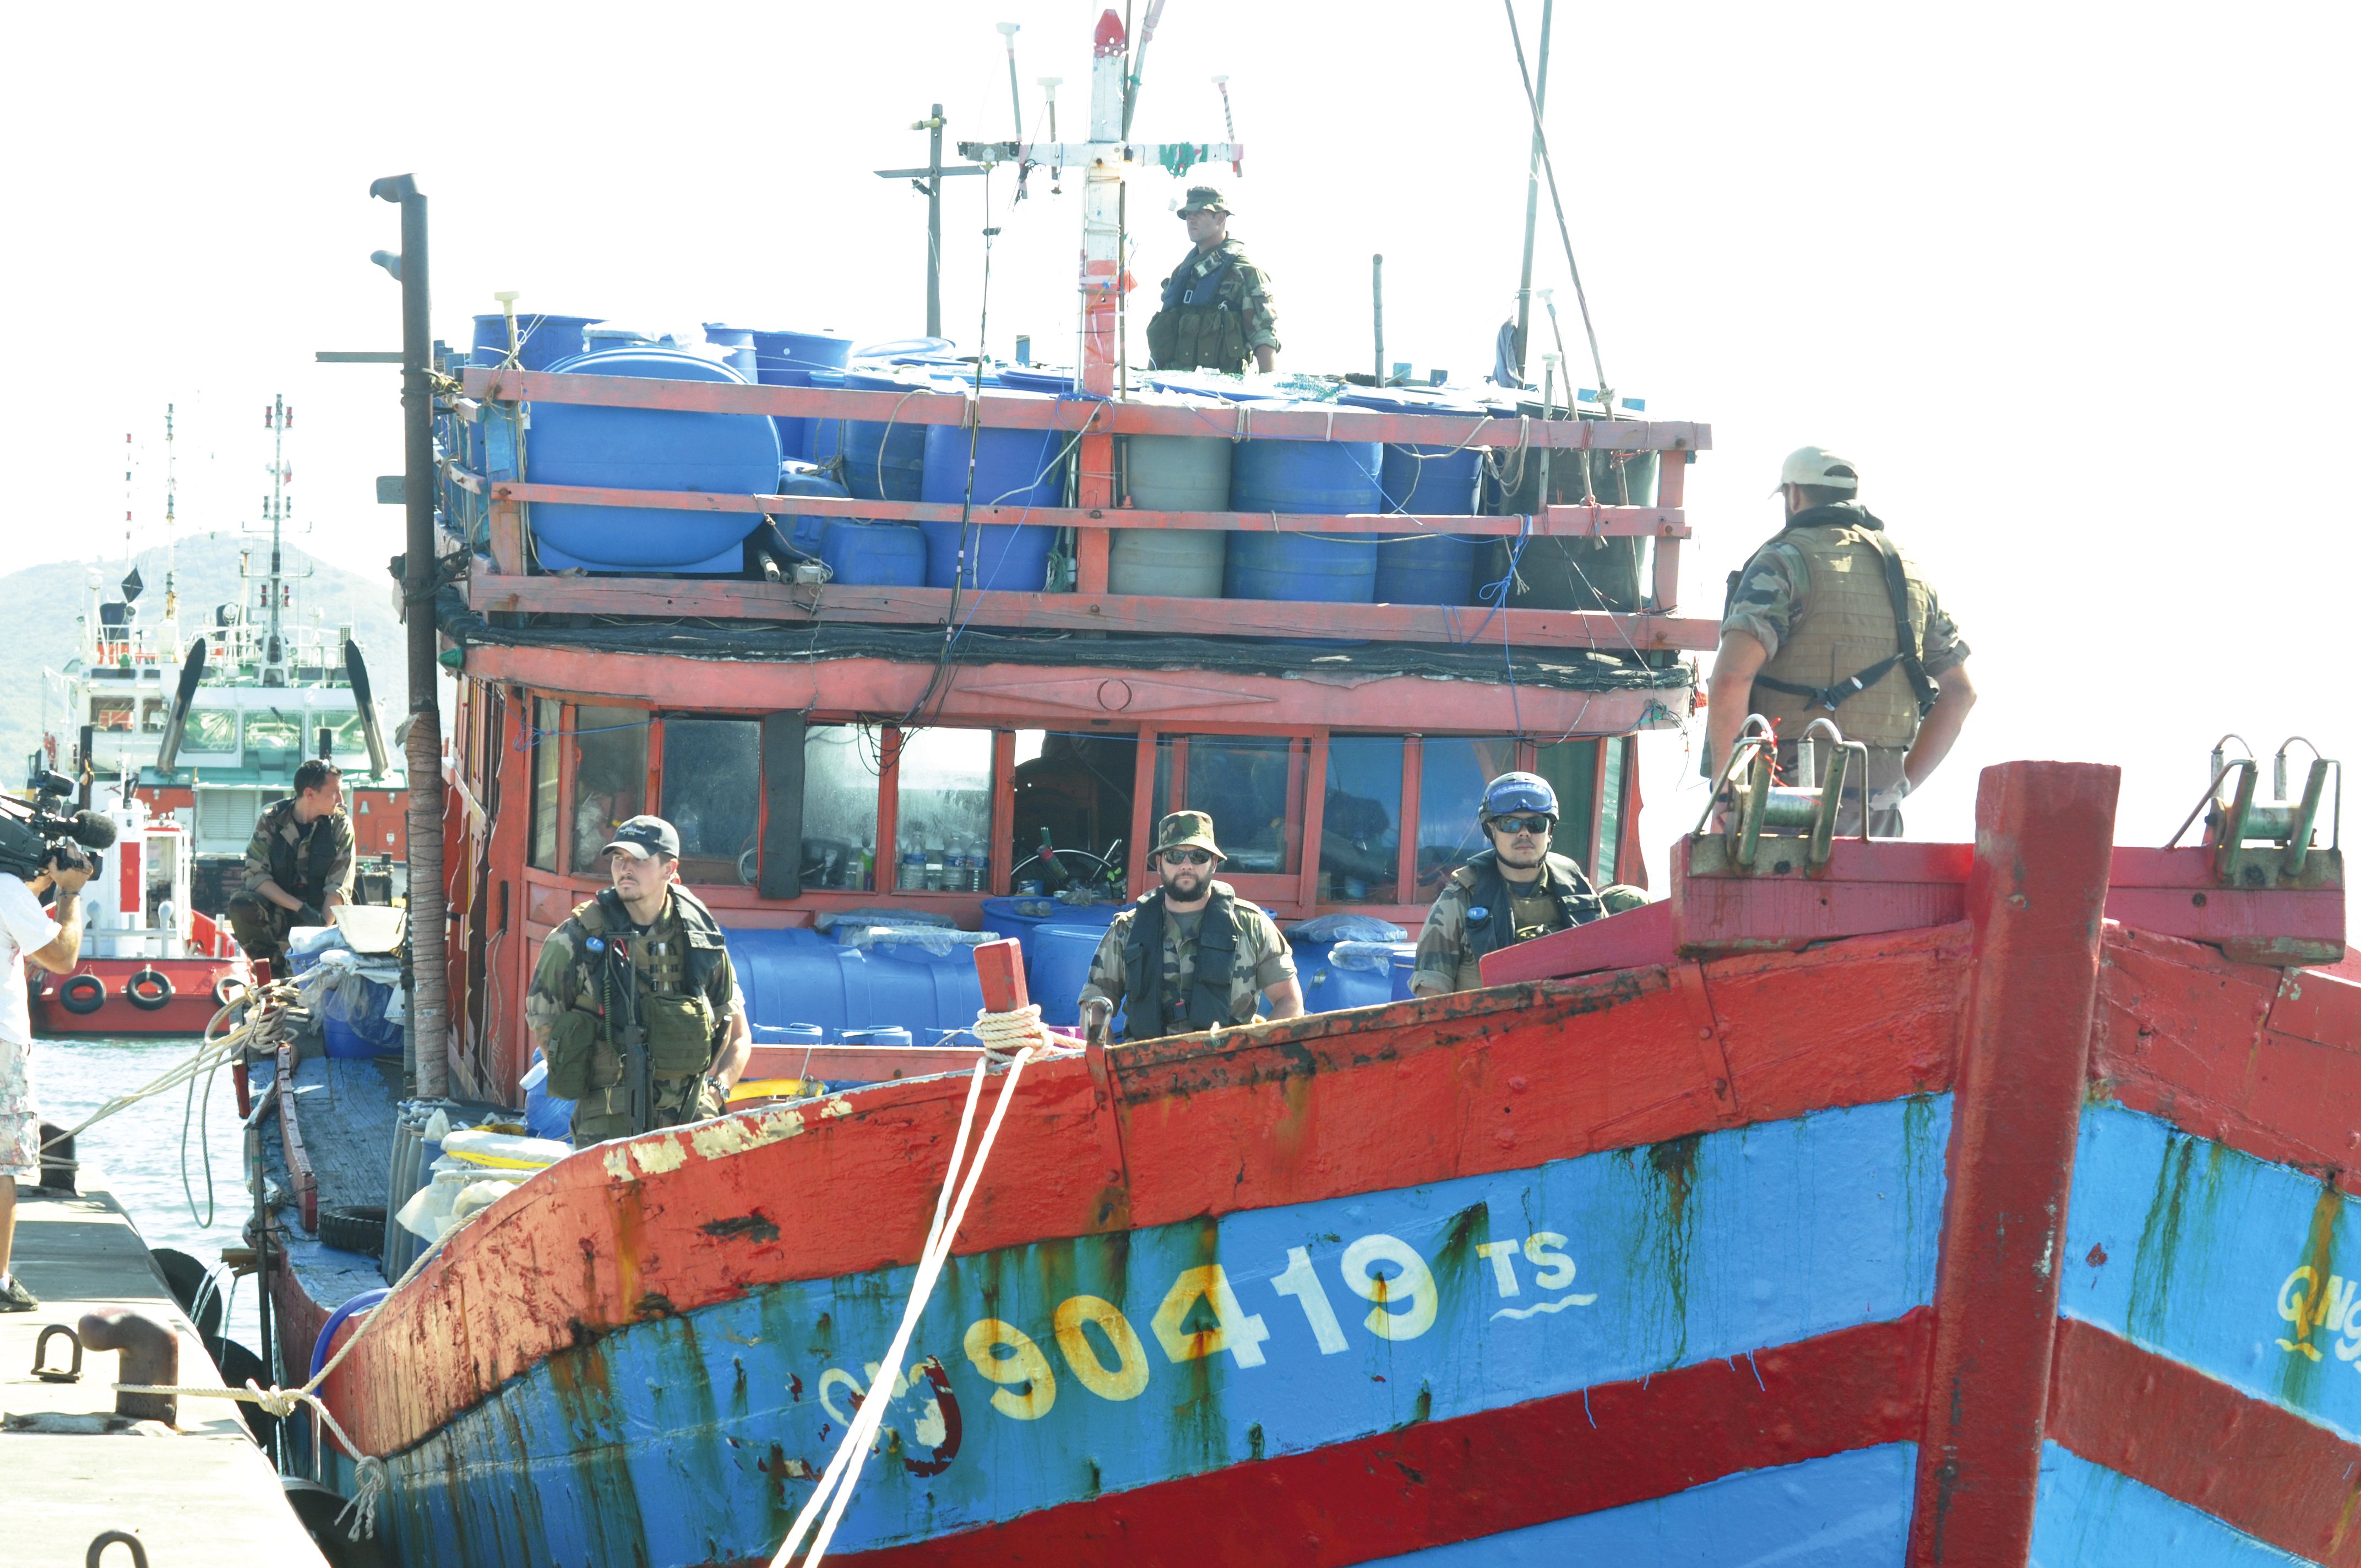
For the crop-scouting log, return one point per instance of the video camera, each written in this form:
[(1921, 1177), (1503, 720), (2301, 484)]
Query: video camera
[(50, 837)]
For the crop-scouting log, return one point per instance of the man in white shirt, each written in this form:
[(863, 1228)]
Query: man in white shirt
[(27, 931)]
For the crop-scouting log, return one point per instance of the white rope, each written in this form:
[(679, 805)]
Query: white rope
[(1005, 1033), (836, 1486)]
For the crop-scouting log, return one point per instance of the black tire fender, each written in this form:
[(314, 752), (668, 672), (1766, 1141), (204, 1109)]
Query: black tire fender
[(82, 994), (150, 991)]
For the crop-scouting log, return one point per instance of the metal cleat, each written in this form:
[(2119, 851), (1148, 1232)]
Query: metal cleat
[(1762, 821)]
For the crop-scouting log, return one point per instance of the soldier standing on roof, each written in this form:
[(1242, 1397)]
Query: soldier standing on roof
[(1217, 311), (633, 1003), (1190, 954), (1508, 893), (1828, 620)]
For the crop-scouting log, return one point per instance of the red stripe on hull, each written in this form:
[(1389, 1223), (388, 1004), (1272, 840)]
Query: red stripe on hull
[(2248, 1463), (2266, 1060), (2044, 833), (1291, 1112), (1472, 1476)]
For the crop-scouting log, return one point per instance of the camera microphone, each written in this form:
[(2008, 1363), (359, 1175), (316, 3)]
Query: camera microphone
[(93, 830)]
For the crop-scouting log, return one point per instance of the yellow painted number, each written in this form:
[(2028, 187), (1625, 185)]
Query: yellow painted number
[(1128, 1376), (1031, 1387)]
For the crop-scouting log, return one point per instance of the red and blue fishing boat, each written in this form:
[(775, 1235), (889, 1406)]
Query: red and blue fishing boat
[(1856, 1202)]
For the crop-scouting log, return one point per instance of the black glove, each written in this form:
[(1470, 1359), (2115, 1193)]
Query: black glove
[(310, 915)]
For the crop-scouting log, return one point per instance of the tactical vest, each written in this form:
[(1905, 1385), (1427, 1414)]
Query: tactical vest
[(1198, 328), (1852, 653), (649, 1041), (1491, 922), (292, 865), (1152, 1008)]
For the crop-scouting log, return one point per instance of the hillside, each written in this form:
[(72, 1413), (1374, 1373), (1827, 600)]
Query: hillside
[(44, 601)]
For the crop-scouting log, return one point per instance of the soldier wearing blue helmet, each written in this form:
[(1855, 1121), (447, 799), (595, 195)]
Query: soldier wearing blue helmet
[(1510, 892)]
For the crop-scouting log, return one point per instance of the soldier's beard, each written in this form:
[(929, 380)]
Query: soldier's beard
[(1185, 886), (1514, 858)]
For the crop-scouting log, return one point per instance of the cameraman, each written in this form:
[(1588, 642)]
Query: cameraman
[(27, 931), (299, 865)]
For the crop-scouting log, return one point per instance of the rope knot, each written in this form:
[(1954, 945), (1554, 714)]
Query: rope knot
[(1005, 1034)]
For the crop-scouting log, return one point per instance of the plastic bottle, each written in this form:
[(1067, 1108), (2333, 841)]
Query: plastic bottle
[(934, 869), (914, 871), (868, 877)]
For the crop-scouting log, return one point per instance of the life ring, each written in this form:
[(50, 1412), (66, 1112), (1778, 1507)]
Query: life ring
[(150, 990), (228, 989), (83, 995)]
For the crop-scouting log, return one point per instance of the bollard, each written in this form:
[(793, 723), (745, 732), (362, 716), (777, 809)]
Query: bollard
[(151, 1355)]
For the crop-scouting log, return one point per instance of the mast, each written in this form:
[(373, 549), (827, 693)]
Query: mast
[(1533, 191), (277, 417)]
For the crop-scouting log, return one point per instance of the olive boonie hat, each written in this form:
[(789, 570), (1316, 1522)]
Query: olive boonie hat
[(1203, 199), (645, 835), (1187, 830)]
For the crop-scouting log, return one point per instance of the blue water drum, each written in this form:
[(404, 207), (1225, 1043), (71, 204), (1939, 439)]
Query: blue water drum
[(1426, 568), (1338, 975), (908, 351), (542, 340), (788, 359), (1060, 962), (789, 1035), (874, 555), (884, 460), (647, 449), (806, 530), (887, 1036), (1332, 477), (794, 974), (736, 345), (1013, 468)]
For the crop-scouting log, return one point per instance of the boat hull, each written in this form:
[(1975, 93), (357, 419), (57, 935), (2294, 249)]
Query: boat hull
[(192, 1005)]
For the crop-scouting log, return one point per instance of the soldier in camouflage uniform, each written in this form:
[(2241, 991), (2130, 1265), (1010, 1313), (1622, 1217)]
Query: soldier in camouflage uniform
[(298, 865), (1217, 311), (1828, 620), (1214, 951), (1508, 893), (633, 1003)]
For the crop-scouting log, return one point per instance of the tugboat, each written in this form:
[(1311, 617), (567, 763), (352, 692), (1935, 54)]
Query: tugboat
[(1859, 1202)]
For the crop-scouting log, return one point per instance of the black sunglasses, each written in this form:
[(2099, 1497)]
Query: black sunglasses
[(1187, 858), (1521, 824)]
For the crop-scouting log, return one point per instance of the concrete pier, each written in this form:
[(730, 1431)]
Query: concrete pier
[(200, 1494)]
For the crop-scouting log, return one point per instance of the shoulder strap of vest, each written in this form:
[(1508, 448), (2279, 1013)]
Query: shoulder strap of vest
[(699, 927), (1906, 637)]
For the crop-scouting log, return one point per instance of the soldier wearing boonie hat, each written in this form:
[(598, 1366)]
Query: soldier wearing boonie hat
[(1217, 311), (633, 1004), (1829, 621), (1190, 954)]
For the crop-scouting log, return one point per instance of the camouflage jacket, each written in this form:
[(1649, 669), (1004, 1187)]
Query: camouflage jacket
[(577, 1012), (1448, 960), (1263, 961), (307, 863), (1771, 592), (1222, 332)]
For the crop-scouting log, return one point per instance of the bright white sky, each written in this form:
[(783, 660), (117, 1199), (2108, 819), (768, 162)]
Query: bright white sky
[(2072, 284)]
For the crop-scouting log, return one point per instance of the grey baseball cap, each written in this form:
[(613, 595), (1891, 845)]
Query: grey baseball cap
[(1818, 466), (644, 836)]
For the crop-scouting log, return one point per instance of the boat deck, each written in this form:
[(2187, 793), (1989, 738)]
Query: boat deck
[(202, 1494)]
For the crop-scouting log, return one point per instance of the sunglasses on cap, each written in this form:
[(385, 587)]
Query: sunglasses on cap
[(1187, 858), (1535, 824)]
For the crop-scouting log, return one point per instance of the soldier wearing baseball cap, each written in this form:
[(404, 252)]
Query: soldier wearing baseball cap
[(1829, 621), (633, 1004), (1189, 954), (1217, 313)]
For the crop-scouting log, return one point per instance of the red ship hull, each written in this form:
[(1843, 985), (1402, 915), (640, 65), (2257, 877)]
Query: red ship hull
[(197, 988)]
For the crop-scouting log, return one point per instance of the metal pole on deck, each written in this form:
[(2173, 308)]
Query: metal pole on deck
[(1533, 192), (1377, 313), (935, 222), (429, 967)]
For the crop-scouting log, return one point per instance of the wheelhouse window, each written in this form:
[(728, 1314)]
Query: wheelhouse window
[(713, 796), (211, 730), (1360, 833), (540, 850), (610, 778), (107, 712), (274, 731), (1572, 769), (1610, 809), (840, 790), (1070, 799), (1252, 786), (1453, 771), (942, 817), (151, 715)]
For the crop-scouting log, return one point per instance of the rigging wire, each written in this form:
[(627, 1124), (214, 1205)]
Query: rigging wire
[(1557, 206)]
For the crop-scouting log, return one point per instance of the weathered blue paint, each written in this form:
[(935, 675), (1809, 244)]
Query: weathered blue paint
[(2092, 1516), (2243, 1269), (1849, 1510), (692, 1433)]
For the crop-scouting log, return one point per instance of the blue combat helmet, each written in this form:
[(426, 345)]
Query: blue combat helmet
[(1512, 793)]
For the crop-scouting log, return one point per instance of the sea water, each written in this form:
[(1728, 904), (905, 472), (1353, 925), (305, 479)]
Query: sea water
[(137, 1155)]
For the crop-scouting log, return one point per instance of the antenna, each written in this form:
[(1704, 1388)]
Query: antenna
[(276, 508), (127, 498), (1049, 86), (172, 541), (1229, 125)]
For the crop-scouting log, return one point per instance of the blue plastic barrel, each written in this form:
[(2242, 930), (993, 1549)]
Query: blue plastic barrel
[(737, 346), (875, 555), (1334, 476), (909, 351), (889, 1036), (789, 1035), (788, 359), (884, 460), (1338, 975), (647, 449), (796, 975), (1013, 468), (1061, 953), (805, 530), (542, 339), (1431, 568)]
